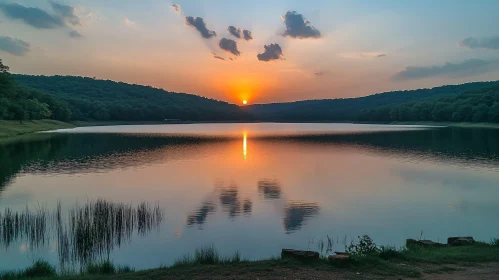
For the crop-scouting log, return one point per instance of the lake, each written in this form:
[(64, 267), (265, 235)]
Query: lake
[(251, 188)]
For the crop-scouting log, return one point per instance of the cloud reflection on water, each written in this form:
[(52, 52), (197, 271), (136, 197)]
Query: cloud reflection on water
[(295, 213)]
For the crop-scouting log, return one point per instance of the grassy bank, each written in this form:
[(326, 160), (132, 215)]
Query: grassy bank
[(9, 129), (452, 124), (111, 123), (381, 263), (16, 128)]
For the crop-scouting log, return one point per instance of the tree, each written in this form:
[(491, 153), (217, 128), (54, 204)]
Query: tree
[(17, 112), (6, 83), (480, 113), (494, 113), (20, 103), (4, 69)]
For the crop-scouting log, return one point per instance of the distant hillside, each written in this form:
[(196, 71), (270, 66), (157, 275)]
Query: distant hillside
[(20, 103), (92, 99), (350, 109), (479, 105)]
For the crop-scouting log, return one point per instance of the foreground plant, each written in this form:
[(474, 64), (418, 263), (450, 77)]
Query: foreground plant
[(364, 246)]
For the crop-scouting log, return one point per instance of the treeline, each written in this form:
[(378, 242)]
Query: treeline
[(352, 109), (20, 103), (25, 97), (480, 105), (92, 99)]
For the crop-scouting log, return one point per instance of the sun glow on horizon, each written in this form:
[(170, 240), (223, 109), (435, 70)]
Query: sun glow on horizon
[(245, 102)]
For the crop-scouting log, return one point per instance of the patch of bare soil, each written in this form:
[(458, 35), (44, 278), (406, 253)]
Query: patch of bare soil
[(488, 271)]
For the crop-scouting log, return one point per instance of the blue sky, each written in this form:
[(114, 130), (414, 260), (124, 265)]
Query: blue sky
[(364, 46)]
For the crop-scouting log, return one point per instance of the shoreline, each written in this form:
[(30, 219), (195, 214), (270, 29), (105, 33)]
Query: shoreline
[(12, 129), (419, 258)]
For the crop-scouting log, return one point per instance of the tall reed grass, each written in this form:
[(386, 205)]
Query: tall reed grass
[(83, 233)]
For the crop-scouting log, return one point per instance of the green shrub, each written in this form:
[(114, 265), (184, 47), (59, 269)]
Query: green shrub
[(365, 246)]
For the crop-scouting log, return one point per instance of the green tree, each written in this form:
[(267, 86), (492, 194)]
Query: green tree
[(4, 69), (494, 113), (16, 112), (480, 113)]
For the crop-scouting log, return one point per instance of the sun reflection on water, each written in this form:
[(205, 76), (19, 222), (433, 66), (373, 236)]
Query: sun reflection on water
[(245, 145)]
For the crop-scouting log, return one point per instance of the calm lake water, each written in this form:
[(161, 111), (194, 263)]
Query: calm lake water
[(252, 188)]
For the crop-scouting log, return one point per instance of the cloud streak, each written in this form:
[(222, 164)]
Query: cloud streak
[(74, 34), (34, 17), (176, 8), (247, 35), (239, 33), (229, 46), (297, 27), (65, 16), (66, 13), (199, 24), (491, 43), (128, 22), (236, 32), (14, 46), (215, 55), (466, 68), (272, 52), (362, 55)]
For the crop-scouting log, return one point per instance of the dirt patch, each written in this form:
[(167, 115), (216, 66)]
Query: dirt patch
[(488, 271), (448, 272)]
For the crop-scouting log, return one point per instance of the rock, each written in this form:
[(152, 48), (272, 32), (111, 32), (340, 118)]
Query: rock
[(460, 241), (300, 255), (343, 258), (423, 243), (338, 257), (341, 253)]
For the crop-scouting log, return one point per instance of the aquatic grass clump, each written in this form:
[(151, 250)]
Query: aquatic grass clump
[(185, 260), (38, 269), (235, 258), (121, 269), (96, 228), (207, 256), (105, 267), (28, 225), (390, 253), (83, 234)]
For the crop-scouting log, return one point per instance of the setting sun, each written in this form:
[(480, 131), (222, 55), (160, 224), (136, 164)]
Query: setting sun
[(245, 102)]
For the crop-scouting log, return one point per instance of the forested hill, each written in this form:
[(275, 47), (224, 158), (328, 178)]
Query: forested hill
[(479, 105), (78, 98), (92, 99), (351, 109), (20, 103)]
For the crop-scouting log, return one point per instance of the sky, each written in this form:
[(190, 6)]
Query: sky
[(261, 51)]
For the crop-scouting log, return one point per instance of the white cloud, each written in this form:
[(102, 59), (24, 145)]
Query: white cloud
[(362, 55), (176, 8), (129, 22)]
